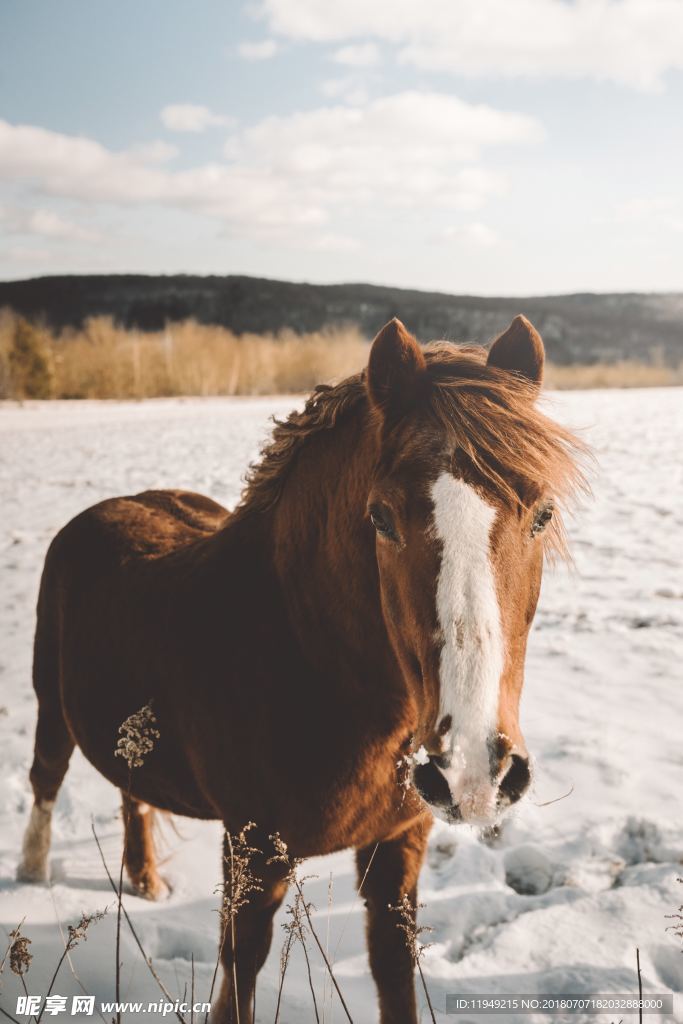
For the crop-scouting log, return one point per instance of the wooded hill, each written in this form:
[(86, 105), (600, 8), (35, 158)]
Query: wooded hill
[(582, 328)]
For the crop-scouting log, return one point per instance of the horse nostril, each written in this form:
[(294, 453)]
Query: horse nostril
[(516, 779), (431, 784)]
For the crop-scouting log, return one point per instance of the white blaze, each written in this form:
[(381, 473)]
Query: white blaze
[(472, 653)]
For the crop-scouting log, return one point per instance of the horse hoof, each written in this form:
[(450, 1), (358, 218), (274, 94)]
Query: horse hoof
[(34, 874), (154, 888)]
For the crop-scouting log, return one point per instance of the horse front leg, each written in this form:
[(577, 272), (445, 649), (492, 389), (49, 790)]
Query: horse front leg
[(388, 872), (246, 937)]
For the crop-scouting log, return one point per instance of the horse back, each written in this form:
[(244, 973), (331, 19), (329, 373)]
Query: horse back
[(145, 525)]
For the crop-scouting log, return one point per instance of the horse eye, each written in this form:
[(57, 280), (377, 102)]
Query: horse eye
[(541, 519), (382, 523)]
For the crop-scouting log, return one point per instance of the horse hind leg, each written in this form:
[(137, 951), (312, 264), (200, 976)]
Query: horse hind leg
[(140, 851), (53, 748), (33, 866)]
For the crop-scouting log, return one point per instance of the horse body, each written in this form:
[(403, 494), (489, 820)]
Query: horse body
[(299, 651), (164, 599)]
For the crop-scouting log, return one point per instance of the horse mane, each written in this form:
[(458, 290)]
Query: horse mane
[(487, 413), (323, 409)]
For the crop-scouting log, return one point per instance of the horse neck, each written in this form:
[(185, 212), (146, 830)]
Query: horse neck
[(324, 552)]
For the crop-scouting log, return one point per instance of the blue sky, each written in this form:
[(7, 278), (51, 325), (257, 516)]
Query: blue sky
[(481, 146)]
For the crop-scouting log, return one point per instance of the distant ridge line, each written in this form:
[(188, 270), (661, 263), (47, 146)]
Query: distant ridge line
[(581, 327)]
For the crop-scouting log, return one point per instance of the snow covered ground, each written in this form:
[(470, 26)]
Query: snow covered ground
[(570, 890)]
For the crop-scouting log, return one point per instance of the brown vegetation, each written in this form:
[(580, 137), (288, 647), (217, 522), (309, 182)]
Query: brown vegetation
[(106, 361), (623, 374), (103, 360)]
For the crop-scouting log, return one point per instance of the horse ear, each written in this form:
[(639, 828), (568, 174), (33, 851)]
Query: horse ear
[(395, 368), (519, 350)]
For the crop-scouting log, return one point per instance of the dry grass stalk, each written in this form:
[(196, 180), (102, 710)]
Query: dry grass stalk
[(242, 881), (192, 991), (677, 917), (284, 963), (148, 960), (136, 740), (119, 891), (408, 924), (20, 957), (330, 892), (236, 890), (640, 987), (69, 961), (136, 736), (8, 949), (77, 933), (296, 927), (9, 1016), (282, 856), (355, 900), (13, 935)]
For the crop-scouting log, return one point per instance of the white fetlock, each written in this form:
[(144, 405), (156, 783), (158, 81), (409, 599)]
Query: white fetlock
[(154, 888), (36, 848)]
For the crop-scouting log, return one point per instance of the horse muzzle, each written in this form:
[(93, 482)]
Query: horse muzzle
[(456, 798)]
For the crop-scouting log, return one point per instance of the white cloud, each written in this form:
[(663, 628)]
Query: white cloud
[(476, 233), (358, 55), (425, 132), (74, 166), (24, 254), (190, 117), (651, 211), (415, 152), (44, 224), (78, 168), (481, 234), (632, 42), (154, 152), (347, 88), (263, 49), (331, 242)]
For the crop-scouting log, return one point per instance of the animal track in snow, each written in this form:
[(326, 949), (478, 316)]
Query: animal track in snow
[(528, 870)]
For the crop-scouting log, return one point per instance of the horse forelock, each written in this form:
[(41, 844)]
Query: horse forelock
[(492, 417)]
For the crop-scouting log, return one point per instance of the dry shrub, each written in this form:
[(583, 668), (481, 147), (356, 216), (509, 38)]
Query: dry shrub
[(623, 374), (26, 364), (103, 360), (7, 322)]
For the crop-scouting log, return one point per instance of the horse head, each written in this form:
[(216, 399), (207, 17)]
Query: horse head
[(464, 500)]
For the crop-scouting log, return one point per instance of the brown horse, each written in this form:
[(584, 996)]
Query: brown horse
[(340, 654)]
